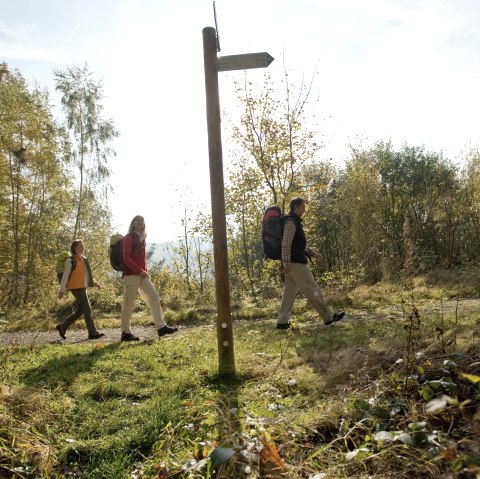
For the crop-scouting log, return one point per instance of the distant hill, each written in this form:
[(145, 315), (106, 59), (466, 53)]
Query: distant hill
[(160, 252), (163, 251)]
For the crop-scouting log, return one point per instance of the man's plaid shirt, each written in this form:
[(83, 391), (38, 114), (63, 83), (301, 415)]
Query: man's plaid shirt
[(288, 233)]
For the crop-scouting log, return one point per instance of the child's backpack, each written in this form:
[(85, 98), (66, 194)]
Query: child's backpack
[(272, 232), (115, 252), (60, 264)]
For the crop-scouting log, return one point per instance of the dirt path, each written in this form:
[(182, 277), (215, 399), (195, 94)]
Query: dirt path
[(148, 333), (74, 336)]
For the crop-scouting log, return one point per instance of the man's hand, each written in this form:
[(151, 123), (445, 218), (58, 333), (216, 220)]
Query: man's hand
[(286, 268), (317, 256), (144, 274)]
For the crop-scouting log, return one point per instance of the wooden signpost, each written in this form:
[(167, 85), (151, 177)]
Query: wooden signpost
[(213, 65)]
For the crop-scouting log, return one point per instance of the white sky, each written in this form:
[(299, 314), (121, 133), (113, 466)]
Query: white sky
[(405, 70)]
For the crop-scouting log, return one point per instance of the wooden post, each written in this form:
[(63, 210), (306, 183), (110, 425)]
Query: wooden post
[(222, 284)]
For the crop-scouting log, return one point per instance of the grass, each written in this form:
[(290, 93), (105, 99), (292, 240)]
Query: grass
[(344, 401)]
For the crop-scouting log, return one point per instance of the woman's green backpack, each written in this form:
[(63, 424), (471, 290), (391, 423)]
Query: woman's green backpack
[(60, 264)]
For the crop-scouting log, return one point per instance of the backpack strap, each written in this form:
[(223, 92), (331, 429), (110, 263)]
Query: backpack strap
[(91, 283), (73, 264), (293, 218)]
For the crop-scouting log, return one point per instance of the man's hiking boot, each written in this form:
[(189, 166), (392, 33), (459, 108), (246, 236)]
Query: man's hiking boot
[(336, 317), (283, 325), (61, 331), (129, 337), (167, 330), (96, 335)]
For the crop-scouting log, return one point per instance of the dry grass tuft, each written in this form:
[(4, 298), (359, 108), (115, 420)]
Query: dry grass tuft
[(25, 417)]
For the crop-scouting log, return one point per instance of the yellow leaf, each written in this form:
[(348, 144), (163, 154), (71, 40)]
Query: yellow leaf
[(471, 377)]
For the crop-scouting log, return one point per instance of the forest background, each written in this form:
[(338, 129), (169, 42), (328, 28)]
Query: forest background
[(385, 214), (347, 400)]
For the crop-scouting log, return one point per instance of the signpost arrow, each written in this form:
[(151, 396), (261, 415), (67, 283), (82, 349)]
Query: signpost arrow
[(244, 62)]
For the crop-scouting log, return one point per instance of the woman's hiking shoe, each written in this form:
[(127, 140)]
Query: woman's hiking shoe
[(61, 331), (283, 325), (129, 337), (166, 330), (96, 335), (336, 317)]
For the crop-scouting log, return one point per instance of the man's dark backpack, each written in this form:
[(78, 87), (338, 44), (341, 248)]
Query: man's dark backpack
[(272, 232), (115, 252)]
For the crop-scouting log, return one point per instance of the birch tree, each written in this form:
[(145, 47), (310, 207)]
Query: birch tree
[(90, 133)]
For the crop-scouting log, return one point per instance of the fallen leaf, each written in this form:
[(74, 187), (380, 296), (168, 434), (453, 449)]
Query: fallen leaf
[(353, 454), (449, 454), (221, 455), (471, 377), (383, 436), (436, 405), (270, 461)]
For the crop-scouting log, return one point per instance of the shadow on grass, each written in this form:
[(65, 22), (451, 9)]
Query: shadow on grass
[(63, 370), (334, 352), (226, 458), (227, 402)]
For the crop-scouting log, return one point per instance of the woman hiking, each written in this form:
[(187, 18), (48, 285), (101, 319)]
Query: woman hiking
[(135, 279), (77, 277)]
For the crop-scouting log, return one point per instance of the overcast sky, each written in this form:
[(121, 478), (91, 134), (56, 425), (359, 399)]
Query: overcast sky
[(404, 70)]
